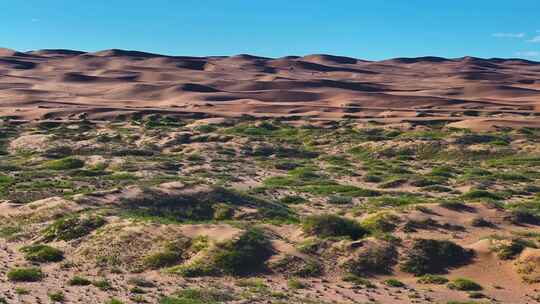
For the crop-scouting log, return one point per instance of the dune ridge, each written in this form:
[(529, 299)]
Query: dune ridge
[(317, 86)]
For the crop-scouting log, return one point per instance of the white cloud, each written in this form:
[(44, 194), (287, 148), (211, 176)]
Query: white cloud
[(509, 35), (535, 39), (528, 54)]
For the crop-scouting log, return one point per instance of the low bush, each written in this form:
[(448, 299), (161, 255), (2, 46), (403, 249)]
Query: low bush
[(380, 223), (241, 256), (141, 282), (57, 296), (358, 280), (291, 265), (103, 284), (339, 200), (292, 200), (508, 251), (434, 256), (295, 284), (170, 255), (393, 183), (198, 296), (66, 163), (394, 283), (481, 222), (522, 216), (31, 274), (373, 178), (328, 225), (464, 285), (372, 258), (71, 228), (245, 255), (79, 281), (481, 194), (432, 279), (42, 253), (454, 205)]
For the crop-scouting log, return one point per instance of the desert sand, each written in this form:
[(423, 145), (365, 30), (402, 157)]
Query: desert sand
[(66, 84)]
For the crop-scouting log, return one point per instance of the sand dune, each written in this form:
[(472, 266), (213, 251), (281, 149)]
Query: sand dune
[(110, 81)]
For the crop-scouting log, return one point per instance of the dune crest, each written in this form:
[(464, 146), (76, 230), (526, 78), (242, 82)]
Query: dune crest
[(328, 87)]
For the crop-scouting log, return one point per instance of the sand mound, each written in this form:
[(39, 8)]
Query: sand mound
[(484, 125)]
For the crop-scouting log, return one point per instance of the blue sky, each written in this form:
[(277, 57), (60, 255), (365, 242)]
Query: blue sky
[(377, 29)]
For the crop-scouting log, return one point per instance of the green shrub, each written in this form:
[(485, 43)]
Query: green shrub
[(454, 205), (292, 200), (31, 274), (432, 279), (481, 222), (141, 282), (21, 291), (223, 211), (476, 295), (464, 285), (71, 228), (514, 248), (481, 194), (197, 268), (396, 201), (434, 256), (373, 258), (245, 255), (393, 183), (296, 266), (471, 139), (171, 255), (295, 284), (103, 285), (380, 223), (65, 164), (252, 284), (358, 280), (339, 200), (42, 253), (198, 296), (137, 290), (57, 296), (373, 178), (79, 281), (328, 225), (309, 246), (58, 152), (394, 283), (521, 216), (5, 179), (114, 301), (443, 171)]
